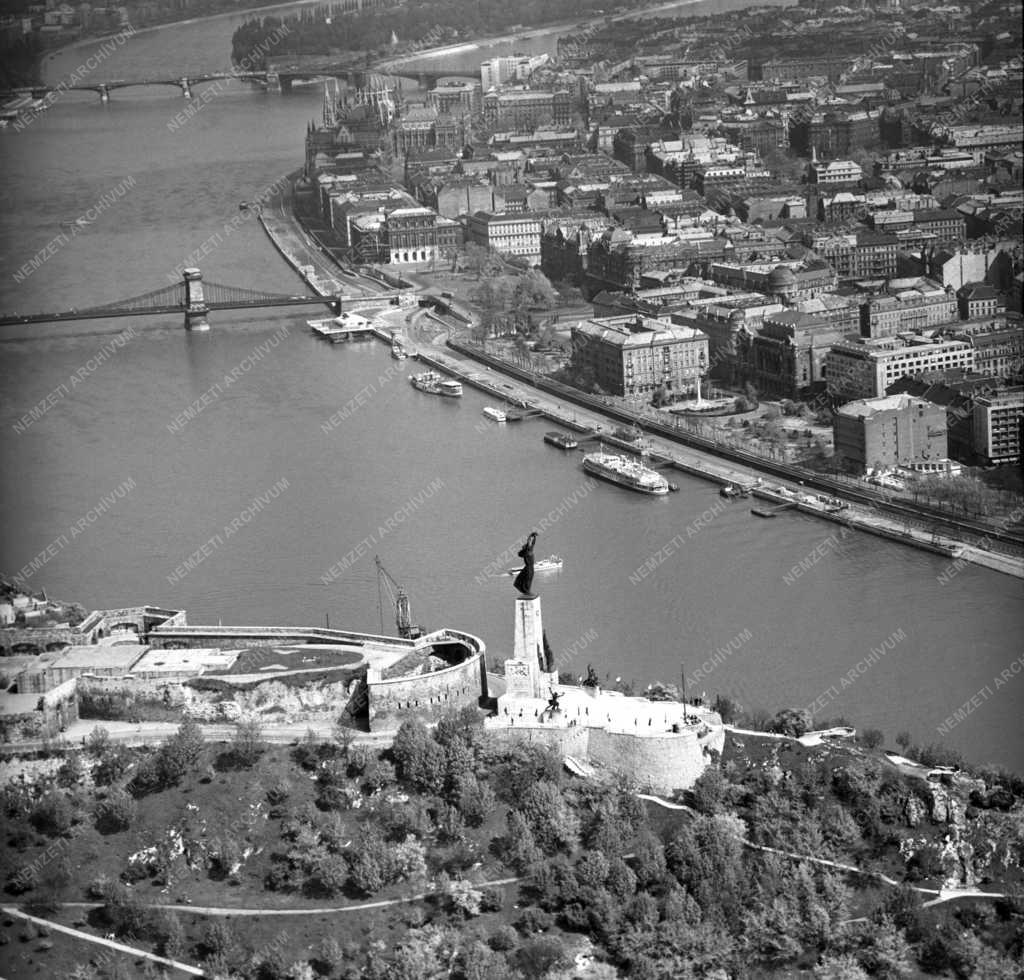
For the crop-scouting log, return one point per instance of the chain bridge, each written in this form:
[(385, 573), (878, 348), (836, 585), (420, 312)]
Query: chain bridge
[(191, 297)]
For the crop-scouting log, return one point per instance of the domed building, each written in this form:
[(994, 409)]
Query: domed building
[(782, 284)]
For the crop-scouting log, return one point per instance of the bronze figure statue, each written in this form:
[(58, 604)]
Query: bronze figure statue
[(524, 580)]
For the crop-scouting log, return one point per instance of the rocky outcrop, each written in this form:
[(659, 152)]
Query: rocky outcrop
[(914, 811)]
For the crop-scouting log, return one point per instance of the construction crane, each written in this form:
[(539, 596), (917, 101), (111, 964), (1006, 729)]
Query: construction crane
[(399, 599)]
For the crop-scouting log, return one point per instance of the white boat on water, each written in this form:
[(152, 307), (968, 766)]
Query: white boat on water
[(550, 564), (450, 389), (398, 352), (495, 414), (428, 381), (625, 472)]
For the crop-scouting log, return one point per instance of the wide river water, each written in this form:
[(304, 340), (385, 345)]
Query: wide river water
[(458, 494)]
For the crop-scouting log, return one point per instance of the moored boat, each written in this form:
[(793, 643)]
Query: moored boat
[(398, 352), (730, 490), (449, 388), (427, 381), (550, 564), (626, 472), (495, 414), (560, 439)]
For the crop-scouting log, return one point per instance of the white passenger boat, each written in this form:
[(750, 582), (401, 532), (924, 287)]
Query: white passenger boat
[(450, 389), (625, 472), (550, 564), (495, 414)]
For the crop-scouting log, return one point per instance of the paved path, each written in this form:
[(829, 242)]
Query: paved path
[(100, 941)]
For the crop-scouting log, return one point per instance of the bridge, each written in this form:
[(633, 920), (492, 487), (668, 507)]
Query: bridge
[(190, 297), (274, 79)]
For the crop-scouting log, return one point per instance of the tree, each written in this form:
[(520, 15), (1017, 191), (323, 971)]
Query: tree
[(538, 957), (476, 801), (247, 744), (113, 764), (872, 738), (367, 864), (71, 772), (53, 814), (180, 753), (519, 846), (116, 813), (478, 962), (791, 721), (709, 791), (98, 741), (332, 873), (554, 825)]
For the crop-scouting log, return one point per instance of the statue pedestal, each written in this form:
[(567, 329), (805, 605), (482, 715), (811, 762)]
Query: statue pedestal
[(524, 673)]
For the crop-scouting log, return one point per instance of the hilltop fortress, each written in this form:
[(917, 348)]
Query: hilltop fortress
[(123, 660)]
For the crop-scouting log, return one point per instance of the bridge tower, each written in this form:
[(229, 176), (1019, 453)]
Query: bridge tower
[(195, 303)]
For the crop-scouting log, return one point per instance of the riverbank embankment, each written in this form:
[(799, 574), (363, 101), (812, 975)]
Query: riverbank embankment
[(464, 363)]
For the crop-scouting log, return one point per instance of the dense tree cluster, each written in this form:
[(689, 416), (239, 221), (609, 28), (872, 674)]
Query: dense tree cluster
[(710, 891), (315, 31)]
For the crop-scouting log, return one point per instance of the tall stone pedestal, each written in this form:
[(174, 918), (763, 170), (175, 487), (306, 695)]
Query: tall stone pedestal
[(525, 674)]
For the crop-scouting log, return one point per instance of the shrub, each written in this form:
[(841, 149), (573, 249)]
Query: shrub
[(71, 771), (53, 815), (872, 738), (503, 939)]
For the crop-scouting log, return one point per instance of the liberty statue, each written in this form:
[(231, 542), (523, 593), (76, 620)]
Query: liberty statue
[(524, 580)]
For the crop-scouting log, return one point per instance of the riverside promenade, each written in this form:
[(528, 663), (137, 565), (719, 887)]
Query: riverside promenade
[(431, 335)]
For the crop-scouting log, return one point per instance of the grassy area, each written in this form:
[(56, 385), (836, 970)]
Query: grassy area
[(269, 662)]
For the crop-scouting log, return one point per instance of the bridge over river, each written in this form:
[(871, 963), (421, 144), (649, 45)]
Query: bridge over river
[(190, 297)]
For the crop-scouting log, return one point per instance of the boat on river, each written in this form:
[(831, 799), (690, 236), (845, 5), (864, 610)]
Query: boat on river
[(448, 388), (426, 381), (561, 440), (550, 564), (495, 414), (625, 471)]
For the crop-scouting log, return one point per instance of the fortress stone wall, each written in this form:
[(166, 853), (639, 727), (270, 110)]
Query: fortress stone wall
[(425, 697), (663, 762)]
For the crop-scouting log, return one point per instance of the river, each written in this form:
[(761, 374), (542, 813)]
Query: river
[(457, 494)]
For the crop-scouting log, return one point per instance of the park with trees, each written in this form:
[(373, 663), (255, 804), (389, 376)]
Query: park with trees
[(457, 852)]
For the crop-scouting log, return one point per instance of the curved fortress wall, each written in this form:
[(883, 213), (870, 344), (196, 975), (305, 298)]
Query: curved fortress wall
[(429, 696), (662, 763)]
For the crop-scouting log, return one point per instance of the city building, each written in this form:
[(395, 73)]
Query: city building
[(635, 355), (865, 368), (998, 426), (835, 172), (977, 300), (912, 308), (855, 255), (509, 234), (897, 430), (525, 111), (788, 351), (495, 72)]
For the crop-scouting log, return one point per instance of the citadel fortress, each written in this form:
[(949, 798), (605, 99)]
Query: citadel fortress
[(139, 656)]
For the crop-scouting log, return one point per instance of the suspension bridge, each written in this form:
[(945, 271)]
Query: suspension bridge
[(192, 298)]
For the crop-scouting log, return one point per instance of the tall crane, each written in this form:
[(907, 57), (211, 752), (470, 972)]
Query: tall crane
[(399, 599)]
